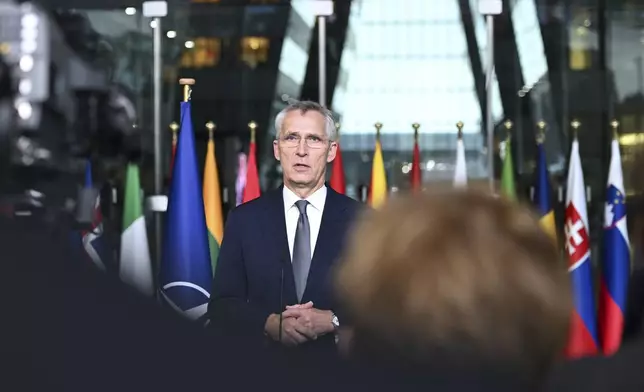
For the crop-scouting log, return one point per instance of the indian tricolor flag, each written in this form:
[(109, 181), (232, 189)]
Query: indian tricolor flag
[(212, 203), (135, 267)]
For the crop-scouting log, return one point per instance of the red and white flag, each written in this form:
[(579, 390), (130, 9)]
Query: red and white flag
[(583, 327)]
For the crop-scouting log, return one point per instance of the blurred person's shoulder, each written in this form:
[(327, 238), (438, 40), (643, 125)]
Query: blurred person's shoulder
[(68, 324)]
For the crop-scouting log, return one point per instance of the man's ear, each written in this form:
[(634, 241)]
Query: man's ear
[(276, 150), (333, 150)]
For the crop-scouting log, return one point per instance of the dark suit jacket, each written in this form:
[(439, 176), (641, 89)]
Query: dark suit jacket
[(254, 278)]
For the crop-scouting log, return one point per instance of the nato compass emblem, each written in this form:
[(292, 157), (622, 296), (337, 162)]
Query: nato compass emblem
[(186, 298)]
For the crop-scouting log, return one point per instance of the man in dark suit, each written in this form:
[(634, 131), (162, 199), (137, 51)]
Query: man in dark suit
[(277, 254)]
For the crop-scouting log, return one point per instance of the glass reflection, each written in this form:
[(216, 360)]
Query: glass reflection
[(411, 65), (529, 42), (202, 52), (254, 50), (481, 39)]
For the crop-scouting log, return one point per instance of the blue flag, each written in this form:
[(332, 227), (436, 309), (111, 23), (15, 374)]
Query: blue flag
[(185, 271), (542, 200)]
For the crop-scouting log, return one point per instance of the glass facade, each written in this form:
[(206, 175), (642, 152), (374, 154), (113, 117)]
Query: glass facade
[(480, 33), (411, 66), (555, 61)]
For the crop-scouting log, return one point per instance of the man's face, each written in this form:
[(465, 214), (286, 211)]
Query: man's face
[(303, 148)]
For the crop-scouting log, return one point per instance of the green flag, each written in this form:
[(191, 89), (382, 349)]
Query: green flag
[(508, 189), (135, 267)]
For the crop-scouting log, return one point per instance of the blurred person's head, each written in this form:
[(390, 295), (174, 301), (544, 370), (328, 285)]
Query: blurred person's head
[(458, 273), (305, 142)]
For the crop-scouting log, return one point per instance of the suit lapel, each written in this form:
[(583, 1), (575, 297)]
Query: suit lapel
[(275, 232), (325, 246)]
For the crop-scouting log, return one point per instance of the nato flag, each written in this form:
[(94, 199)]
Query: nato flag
[(185, 272)]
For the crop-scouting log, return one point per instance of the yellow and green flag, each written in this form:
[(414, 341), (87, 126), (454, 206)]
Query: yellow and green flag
[(212, 203), (508, 187)]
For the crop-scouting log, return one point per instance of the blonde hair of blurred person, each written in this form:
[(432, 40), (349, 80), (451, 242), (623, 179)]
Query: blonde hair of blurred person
[(455, 273)]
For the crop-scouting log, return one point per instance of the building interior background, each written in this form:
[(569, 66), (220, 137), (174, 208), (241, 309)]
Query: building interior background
[(395, 62)]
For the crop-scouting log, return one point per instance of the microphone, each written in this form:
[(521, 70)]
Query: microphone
[(281, 309)]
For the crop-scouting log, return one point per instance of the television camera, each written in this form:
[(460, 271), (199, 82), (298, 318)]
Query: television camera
[(58, 107)]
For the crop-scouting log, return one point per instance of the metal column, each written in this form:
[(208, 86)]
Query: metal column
[(322, 9), (489, 77), (158, 166), (322, 60)]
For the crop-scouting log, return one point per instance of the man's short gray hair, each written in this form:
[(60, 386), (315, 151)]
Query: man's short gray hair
[(305, 106)]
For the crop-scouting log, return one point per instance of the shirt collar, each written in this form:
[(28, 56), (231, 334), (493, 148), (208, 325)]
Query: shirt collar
[(316, 200)]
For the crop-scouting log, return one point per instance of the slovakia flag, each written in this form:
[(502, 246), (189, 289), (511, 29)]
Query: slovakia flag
[(583, 329), (616, 260)]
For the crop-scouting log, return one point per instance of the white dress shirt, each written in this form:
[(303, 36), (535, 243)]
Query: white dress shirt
[(314, 211)]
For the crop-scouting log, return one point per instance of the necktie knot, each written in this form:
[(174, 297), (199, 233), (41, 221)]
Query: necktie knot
[(301, 205)]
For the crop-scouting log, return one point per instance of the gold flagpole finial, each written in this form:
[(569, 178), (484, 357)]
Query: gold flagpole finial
[(508, 127), (211, 129), (541, 131), (575, 124), (337, 131), (378, 126), (416, 126), (187, 89), (253, 126), (615, 125), (459, 126), (174, 127)]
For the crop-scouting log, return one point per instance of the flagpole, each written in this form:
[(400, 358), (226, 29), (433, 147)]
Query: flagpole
[(158, 169), (157, 10), (508, 136), (252, 189), (615, 126), (416, 176), (378, 126), (174, 128), (322, 59), (322, 9), (488, 100), (252, 126), (575, 124), (541, 126), (489, 8)]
